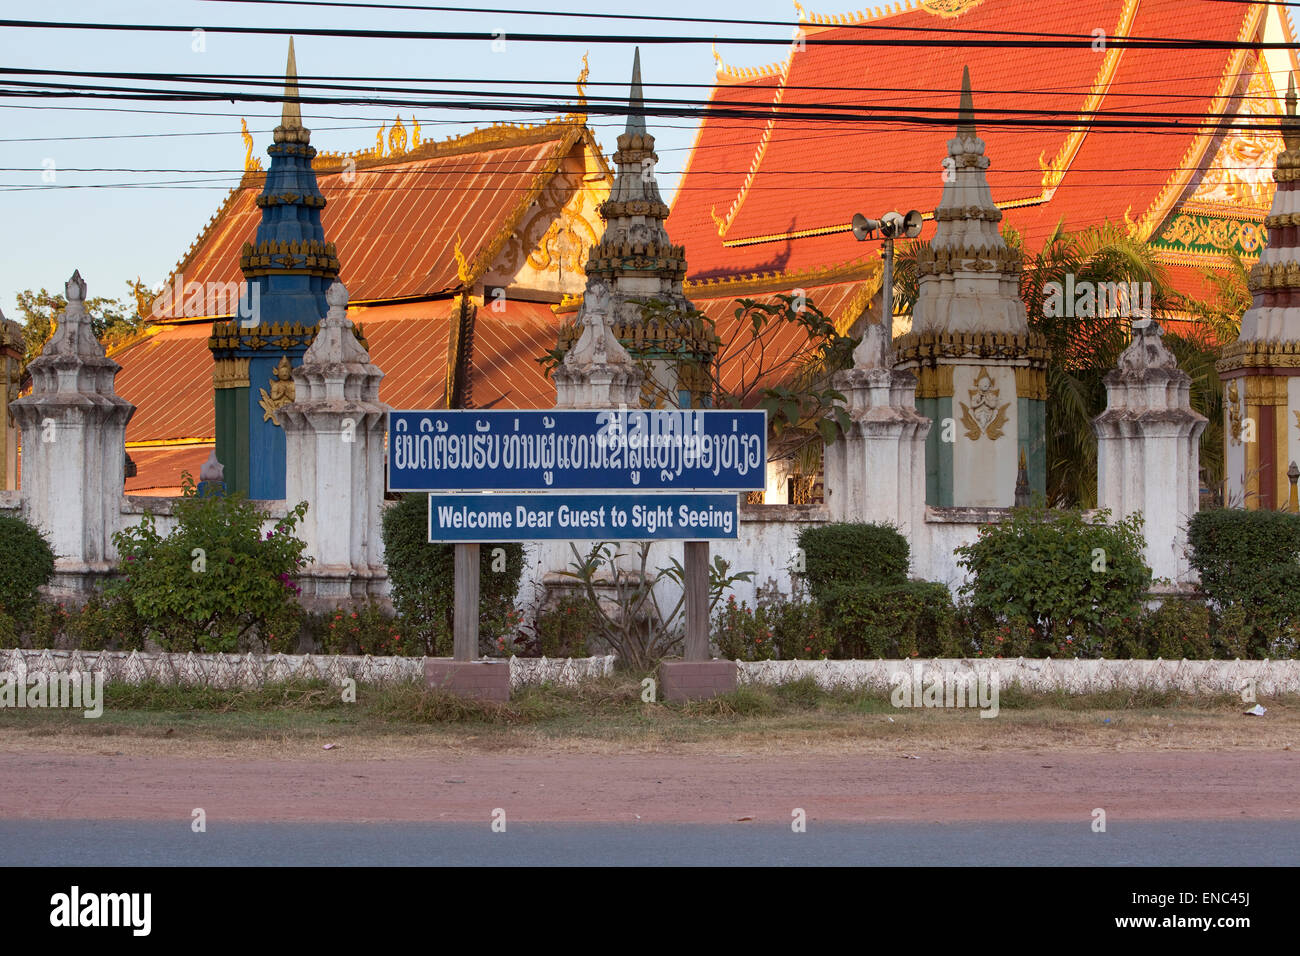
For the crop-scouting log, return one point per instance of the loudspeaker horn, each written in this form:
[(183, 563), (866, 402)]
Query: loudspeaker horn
[(863, 227)]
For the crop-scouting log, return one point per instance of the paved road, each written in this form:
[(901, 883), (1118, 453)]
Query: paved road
[(135, 843)]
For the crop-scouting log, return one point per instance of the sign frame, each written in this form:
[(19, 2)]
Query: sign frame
[(690, 442)]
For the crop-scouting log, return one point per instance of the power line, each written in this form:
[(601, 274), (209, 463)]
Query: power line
[(327, 82), (964, 40), (577, 15), (660, 107)]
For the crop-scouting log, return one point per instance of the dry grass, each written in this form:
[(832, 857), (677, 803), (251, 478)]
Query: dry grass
[(608, 716)]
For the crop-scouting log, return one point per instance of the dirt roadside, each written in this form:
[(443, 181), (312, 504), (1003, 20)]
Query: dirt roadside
[(687, 788)]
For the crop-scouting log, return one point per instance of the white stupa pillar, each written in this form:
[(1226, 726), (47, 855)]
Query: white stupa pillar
[(74, 448), (875, 471), (597, 371), (334, 443), (1148, 457)]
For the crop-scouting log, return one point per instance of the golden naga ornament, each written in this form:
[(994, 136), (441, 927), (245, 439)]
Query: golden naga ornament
[(984, 415), (582, 83)]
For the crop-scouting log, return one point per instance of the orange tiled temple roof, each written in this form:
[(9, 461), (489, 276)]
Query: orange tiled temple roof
[(778, 194)]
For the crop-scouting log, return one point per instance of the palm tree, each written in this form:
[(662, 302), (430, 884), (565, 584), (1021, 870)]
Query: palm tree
[(1218, 323)]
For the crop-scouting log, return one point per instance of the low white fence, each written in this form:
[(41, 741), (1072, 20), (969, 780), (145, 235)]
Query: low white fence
[(1041, 674), (1072, 676), (254, 670)]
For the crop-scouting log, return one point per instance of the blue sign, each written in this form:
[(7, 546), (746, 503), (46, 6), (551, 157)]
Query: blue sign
[(567, 450), (659, 517)]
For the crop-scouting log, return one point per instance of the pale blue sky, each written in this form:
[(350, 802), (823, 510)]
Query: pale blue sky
[(112, 235)]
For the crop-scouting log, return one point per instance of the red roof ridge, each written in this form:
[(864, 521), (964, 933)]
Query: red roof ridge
[(862, 267), (1145, 226), (144, 335), (743, 74), (939, 8)]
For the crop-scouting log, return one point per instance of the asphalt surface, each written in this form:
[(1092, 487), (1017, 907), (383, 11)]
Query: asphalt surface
[(132, 843)]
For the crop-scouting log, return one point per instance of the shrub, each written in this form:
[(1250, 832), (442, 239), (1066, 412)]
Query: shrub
[(422, 576), (1250, 561), (563, 630), (1012, 638), (107, 620), (915, 618), (511, 643), (365, 630), (9, 637), (848, 553), (1234, 632), (215, 583), (800, 630), (48, 622), (1178, 628), (743, 633), (26, 563), (1064, 576)]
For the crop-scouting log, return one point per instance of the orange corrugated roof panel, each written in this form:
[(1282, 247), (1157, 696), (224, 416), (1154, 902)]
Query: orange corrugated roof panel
[(158, 470)]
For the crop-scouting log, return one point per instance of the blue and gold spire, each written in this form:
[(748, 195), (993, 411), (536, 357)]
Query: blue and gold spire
[(287, 269), (289, 258)]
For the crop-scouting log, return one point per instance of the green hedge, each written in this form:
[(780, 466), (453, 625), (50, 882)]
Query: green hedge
[(215, 582), (914, 618), (26, 563), (1249, 563), (422, 579), (850, 553), (1064, 576)]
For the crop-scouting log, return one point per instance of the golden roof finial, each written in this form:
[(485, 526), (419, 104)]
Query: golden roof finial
[(291, 114), (415, 132), (582, 82), (379, 140), (462, 267)]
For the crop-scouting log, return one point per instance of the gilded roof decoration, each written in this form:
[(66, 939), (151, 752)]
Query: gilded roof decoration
[(939, 8), (1241, 173), (582, 84), (251, 162)]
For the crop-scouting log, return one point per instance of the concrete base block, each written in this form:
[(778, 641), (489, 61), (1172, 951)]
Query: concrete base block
[(696, 680), (482, 680)]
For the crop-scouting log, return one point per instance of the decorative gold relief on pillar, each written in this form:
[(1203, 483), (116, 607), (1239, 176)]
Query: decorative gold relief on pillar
[(281, 392), (984, 415)]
